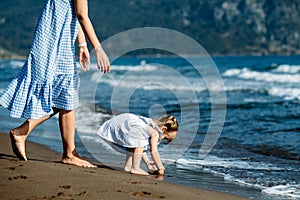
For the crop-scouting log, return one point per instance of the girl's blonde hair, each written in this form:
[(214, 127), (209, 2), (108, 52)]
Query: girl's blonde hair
[(170, 122)]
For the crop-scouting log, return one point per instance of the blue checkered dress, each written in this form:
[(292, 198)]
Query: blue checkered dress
[(49, 77)]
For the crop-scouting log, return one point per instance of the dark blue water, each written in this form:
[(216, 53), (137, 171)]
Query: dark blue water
[(257, 154)]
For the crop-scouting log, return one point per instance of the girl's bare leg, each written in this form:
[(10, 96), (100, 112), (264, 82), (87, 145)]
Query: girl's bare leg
[(18, 135), (128, 162), (136, 162), (67, 129)]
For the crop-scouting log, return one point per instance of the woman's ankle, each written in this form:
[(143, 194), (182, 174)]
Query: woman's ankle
[(18, 134), (70, 154)]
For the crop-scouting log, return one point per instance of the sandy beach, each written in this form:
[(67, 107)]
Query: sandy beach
[(44, 177)]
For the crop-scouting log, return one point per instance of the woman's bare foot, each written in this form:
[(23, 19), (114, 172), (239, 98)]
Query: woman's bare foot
[(74, 159), (78, 162), (18, 144)]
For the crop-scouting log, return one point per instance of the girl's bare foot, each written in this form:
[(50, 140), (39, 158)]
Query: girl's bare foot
[(18, 144), (139, 171), (136, 162), (74, 159)]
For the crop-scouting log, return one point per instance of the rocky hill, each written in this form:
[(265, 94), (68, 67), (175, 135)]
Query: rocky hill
[(221, 27)]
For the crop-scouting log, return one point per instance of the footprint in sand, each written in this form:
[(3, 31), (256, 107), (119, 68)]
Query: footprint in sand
[(141, 193), (67, 194), (146, 194), (134, 182), (65, 187), (10, 168), (17, 177)]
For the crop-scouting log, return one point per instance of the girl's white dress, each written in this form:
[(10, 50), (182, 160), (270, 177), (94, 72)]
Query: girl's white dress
[(127, 130)]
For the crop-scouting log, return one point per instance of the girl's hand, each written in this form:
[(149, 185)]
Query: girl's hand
[(102, 60), (151, 167), (84, 58), (161, 172)]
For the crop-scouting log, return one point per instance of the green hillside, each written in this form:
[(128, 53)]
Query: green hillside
[(221, 27)]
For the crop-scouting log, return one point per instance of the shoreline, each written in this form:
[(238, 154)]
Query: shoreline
[(43, 176), (24, 57)]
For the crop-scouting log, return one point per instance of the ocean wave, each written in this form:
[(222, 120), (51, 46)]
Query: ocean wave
[(233, 179), (12, 64), (88, 122), (292, 69), (285, 93), (230, 163), (246, 73), (213, 164), (156, 83), (245, 88), (284, 190), (136, 68), (234, 72), (142, 67)]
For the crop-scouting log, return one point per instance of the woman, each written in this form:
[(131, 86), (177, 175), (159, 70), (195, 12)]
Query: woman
[(133, 133), (48, 82)]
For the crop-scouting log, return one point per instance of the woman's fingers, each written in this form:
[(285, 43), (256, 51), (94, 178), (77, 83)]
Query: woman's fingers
[(84, 58), (102, 60), (104, 68)]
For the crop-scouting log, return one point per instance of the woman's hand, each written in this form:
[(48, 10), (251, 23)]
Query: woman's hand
[(102, 60), (84, 58)]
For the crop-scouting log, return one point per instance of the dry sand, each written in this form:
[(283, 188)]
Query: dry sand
[(44, 177)]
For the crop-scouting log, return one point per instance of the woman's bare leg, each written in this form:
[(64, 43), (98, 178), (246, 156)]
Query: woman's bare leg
[(67, 129), (18, 135)]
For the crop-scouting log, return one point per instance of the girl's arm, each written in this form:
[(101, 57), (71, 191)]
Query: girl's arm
[(150, 164), (81, 7), (154, 150)]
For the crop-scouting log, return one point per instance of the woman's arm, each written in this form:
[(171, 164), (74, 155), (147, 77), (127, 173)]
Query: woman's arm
[(80, 36), (81, 7), (84, 55)]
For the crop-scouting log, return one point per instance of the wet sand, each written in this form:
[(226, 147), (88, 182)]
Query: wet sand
[(43, 176)]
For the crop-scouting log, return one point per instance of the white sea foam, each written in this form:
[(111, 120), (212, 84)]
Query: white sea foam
[(16, 63), (293, 69), (143, 67), (88, 122), (12, 64), (230, 163), (233, 72), (246, 73), (271, 77), (156, 82), (286, 93), (90, 137), (211, 164), (281, 82), (233, 179), (284, 190)]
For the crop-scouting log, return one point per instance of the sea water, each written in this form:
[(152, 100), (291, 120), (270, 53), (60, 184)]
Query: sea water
[(257, 154)]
